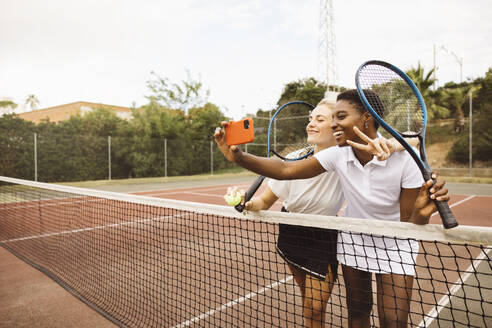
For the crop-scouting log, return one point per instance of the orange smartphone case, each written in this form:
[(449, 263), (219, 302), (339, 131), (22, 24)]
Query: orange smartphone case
[(240, 132)]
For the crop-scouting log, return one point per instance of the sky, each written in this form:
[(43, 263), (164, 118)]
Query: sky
[(244, 52)]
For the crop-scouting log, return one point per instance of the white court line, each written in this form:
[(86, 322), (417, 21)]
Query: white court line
[(186, 193), (113, 225), (53, 202), (174, 192), (458, 203), (178, 190), (56, 202), (206, 195), (261, 290), (445, 299), (234, 302)]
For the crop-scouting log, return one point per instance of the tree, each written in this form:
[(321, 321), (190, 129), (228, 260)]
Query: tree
[(204, 120), (139, 149), (484, 95), (185, 95), (32, 101), (424, 80), (482, 129), (456, 98), (482, 134), (202, 123), (309, 90), (102, 122), (16, 147), (7, 106), (482, 140)]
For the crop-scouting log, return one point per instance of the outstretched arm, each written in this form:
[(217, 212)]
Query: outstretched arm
[(269, 167)]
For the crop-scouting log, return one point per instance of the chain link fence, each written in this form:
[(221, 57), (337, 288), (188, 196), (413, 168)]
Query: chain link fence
[(62, 157)]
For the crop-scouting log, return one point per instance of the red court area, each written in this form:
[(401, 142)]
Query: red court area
[(443, 271), (214, 255)]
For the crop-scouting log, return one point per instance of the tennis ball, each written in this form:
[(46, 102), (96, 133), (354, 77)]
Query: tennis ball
[(233, 196)]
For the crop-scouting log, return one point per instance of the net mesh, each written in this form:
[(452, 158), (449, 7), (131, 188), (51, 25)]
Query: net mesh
[(147, 262), (392, 98)]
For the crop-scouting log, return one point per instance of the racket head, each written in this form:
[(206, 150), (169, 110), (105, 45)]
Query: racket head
[(391, 98), (287, 137), (395, 102)]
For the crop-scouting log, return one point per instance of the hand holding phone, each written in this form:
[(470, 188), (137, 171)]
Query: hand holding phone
[(240, 132)]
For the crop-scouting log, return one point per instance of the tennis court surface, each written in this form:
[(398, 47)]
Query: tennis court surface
[(142, 261)]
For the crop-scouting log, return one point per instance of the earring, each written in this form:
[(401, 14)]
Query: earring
[(366, 125)]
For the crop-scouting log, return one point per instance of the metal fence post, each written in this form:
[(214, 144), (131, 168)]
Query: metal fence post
[(471, 136), (35, 156), (165, 157), (211, 158), (109, 157)]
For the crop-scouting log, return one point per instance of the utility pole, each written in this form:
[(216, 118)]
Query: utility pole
[(434, 54), (458, 59), (327, 69), (470, 154)]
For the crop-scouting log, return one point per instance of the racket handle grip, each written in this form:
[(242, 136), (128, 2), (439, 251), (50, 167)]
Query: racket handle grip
[(447, 217), (249, 194)]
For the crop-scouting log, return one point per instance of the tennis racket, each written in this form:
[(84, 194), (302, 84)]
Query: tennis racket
[(286, 139), (396, 104)]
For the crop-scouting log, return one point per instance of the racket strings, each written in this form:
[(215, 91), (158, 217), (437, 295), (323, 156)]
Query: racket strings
[(393, 99), (288, 138), (300, 153)]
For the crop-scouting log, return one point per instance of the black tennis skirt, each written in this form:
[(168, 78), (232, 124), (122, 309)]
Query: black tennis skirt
[(310, 249)]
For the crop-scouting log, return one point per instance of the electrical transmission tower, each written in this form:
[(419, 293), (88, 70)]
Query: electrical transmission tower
[(327, 69)]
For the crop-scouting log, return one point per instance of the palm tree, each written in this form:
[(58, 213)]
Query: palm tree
[(456, 98), (32, 101), (422, 80)]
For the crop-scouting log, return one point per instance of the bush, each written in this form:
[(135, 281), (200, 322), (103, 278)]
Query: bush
[(482, 140), (460, 150)]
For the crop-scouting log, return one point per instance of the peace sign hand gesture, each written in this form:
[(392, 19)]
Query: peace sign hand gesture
[(380, 147)]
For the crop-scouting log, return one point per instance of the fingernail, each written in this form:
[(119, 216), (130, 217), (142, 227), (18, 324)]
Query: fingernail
[(432, 197), (432, 190)]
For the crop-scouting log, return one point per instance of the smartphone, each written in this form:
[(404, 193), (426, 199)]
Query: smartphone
[(240, 132)]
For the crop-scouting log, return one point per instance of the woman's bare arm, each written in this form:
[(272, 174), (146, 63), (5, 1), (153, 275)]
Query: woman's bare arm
[(407, 203), (269, 167), (262, 202), (417, 205)]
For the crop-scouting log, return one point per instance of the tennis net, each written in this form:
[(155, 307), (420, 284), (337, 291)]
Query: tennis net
[(147, 262)]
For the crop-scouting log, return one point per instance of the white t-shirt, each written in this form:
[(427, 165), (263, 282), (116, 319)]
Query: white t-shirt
[(373, 191), (318, 195)]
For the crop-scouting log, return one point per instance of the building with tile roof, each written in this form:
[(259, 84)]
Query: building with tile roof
[(63, 112)]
